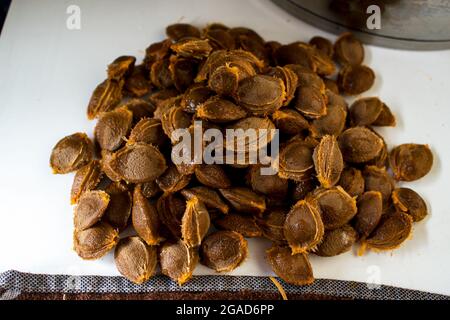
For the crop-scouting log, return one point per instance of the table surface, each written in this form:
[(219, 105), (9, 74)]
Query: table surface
[(48, 73)]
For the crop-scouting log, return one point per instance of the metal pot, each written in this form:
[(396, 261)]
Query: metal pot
[(412, 24)]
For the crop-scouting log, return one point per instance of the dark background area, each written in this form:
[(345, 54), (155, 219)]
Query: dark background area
[(4, 6)]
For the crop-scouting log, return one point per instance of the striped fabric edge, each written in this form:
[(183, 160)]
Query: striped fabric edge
[(13, 283)]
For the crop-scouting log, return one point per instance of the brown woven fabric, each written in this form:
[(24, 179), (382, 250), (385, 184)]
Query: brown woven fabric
[(219, 295)]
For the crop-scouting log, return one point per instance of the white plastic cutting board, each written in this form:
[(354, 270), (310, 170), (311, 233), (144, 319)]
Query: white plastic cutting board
[(47, 74)]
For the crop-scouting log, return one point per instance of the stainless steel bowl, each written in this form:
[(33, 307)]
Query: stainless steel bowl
[(412, 24)]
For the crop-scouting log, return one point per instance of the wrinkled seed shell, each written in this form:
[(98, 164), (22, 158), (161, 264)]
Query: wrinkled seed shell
[(90, 209), (86, 178), (359, 145), (195, 222), (178, 261), (145, 218), (95, 242), (328, 161), (223, 251), (71, 153), (138, 163), (135, 260)]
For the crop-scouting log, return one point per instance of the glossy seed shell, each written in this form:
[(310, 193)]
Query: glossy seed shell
[(409, 201), (359, 145), (294, 269), (410, 161), (370, 209), (336, 206), (303, 227), (260, 94), (337, 241), (112, 128), (352, 181), (391, 232)]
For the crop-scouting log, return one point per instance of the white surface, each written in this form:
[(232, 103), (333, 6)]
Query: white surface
[(48, 73)]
